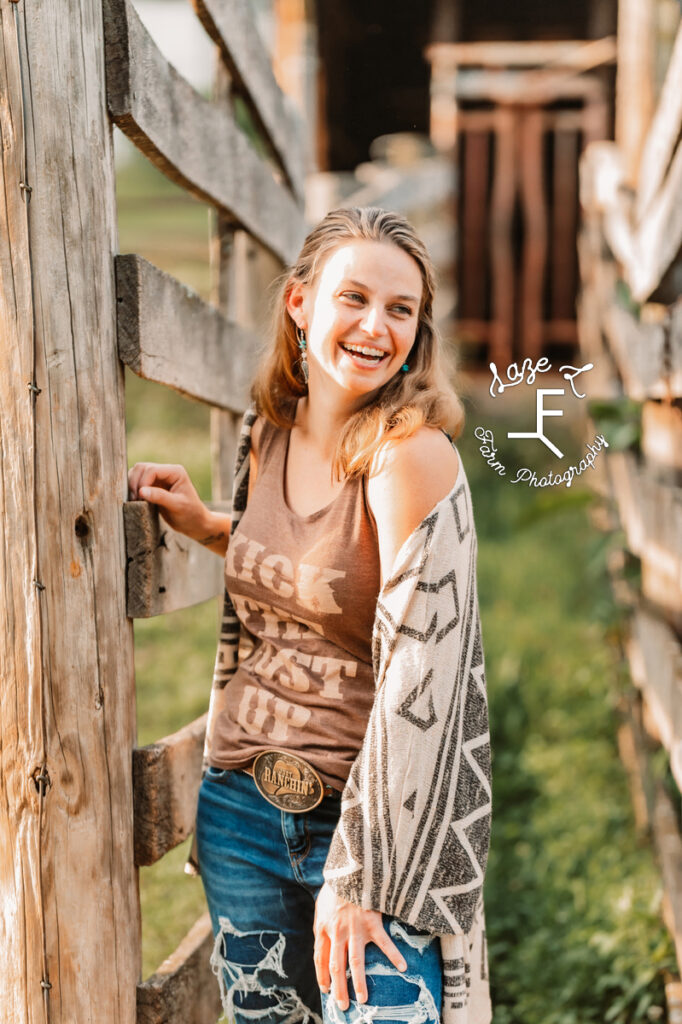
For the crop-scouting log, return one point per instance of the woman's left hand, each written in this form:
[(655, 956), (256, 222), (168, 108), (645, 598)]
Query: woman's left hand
[(342, 930)]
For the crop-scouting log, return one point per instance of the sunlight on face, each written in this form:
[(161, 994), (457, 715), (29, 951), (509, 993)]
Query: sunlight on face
[(362, 314)]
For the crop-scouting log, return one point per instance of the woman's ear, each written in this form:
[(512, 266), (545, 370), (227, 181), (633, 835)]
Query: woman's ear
[(294, 304)]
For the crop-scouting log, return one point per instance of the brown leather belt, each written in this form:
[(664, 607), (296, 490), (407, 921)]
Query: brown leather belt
[(287, 781)]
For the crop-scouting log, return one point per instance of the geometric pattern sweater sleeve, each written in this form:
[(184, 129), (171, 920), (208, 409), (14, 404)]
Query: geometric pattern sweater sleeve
[(412, 840), (413, 835)]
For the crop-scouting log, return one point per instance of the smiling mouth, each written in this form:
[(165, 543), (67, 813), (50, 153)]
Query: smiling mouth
[(364, 354)]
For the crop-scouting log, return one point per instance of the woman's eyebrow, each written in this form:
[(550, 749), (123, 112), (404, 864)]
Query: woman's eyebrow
[(359, 284)]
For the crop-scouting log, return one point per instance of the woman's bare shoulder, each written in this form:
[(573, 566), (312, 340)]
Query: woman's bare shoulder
[(409, 478)]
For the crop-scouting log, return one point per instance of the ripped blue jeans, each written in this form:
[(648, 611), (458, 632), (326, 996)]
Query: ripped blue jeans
[(262, 870)]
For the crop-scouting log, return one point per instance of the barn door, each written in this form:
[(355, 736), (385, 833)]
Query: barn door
[(518, 216), (517, 134)]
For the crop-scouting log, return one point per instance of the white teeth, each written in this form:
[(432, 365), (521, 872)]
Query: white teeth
[(365, 350)]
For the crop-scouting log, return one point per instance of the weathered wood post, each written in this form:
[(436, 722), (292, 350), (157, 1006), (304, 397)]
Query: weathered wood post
[(635, 80), (69, 926)]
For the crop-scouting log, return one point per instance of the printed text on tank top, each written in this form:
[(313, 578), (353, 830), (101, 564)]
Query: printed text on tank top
[(304, 588)]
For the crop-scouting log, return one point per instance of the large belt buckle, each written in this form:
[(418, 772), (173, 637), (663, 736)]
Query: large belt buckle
[(287, 781)]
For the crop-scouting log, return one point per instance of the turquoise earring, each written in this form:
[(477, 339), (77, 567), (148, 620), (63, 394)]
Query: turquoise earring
[(302, 344), (404, 367)]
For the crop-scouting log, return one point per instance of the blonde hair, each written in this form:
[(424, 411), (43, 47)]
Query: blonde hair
[(424, 395)]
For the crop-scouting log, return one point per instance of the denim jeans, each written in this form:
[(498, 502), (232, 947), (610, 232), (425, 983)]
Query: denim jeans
[(262, 870)]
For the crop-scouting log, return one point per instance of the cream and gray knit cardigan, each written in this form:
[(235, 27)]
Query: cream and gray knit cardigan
[(412, 840)]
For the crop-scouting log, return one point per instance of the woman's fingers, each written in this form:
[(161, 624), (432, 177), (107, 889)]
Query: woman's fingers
[(342, 931), (153, 474), (321, 960), (169, 487), (386, 944), (158, 496), (356, 962), (337, 969)]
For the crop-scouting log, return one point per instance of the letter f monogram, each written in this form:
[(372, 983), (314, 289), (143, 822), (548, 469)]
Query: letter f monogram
[(540, 413)]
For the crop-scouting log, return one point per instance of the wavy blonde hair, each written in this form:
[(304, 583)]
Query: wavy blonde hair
[(424, 395)]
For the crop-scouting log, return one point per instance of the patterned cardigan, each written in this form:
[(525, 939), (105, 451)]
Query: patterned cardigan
[(412, 840)]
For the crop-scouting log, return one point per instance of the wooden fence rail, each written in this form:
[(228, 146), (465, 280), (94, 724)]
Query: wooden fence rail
[(194, 141), (84, 807), (630, 327)]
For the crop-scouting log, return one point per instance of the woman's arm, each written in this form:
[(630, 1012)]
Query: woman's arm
[(412, 476)]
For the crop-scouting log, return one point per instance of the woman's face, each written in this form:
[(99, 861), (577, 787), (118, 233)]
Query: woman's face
[(360, 315)]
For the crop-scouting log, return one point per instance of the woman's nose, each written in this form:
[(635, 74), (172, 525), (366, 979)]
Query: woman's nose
[(373, 323)]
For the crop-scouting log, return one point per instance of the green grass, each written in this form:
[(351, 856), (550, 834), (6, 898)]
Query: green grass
[(160, 221)]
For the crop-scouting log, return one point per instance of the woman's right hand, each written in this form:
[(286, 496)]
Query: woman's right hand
[(170, 487)]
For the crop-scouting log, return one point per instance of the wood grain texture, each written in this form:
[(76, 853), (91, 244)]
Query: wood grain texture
[(231, 24), (88, 877), (645, 249), (166, 778), (634, 79), (195, 142), (184, 989), (534, 206), (651, 514), (576, 54), (525, 87), (564, 215), (653, 803), (655, 658), (664, 132), (662, 438), (668, 844), (659, 233), (650, 363), (166, 570), (500, 240), (168, 334)]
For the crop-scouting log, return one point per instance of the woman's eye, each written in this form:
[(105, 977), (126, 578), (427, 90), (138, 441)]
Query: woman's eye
[(405, 310), (355, 296)]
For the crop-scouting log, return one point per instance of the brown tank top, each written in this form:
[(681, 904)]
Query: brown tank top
[(305, 588)]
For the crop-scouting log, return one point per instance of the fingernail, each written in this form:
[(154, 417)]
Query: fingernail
[(144, 491), (342, 1006), (362, 998), (324, 988), (402, 966)]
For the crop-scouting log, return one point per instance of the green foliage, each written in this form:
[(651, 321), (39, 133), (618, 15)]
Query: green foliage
[(625, 298), (619, 420), (573, 900)]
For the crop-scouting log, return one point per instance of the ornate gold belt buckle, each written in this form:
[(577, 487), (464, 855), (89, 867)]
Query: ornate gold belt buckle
[(287, 781)]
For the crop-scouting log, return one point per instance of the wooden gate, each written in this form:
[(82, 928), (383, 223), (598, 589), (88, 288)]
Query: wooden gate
[(517, 132), (79, 561)]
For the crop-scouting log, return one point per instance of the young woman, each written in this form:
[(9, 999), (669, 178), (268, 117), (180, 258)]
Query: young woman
[(351, 645)]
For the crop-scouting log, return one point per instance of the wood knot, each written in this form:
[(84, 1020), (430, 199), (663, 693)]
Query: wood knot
[(83, 527)]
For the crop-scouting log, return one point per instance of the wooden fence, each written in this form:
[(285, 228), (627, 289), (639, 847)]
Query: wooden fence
[(630, 328), (82, 806)]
